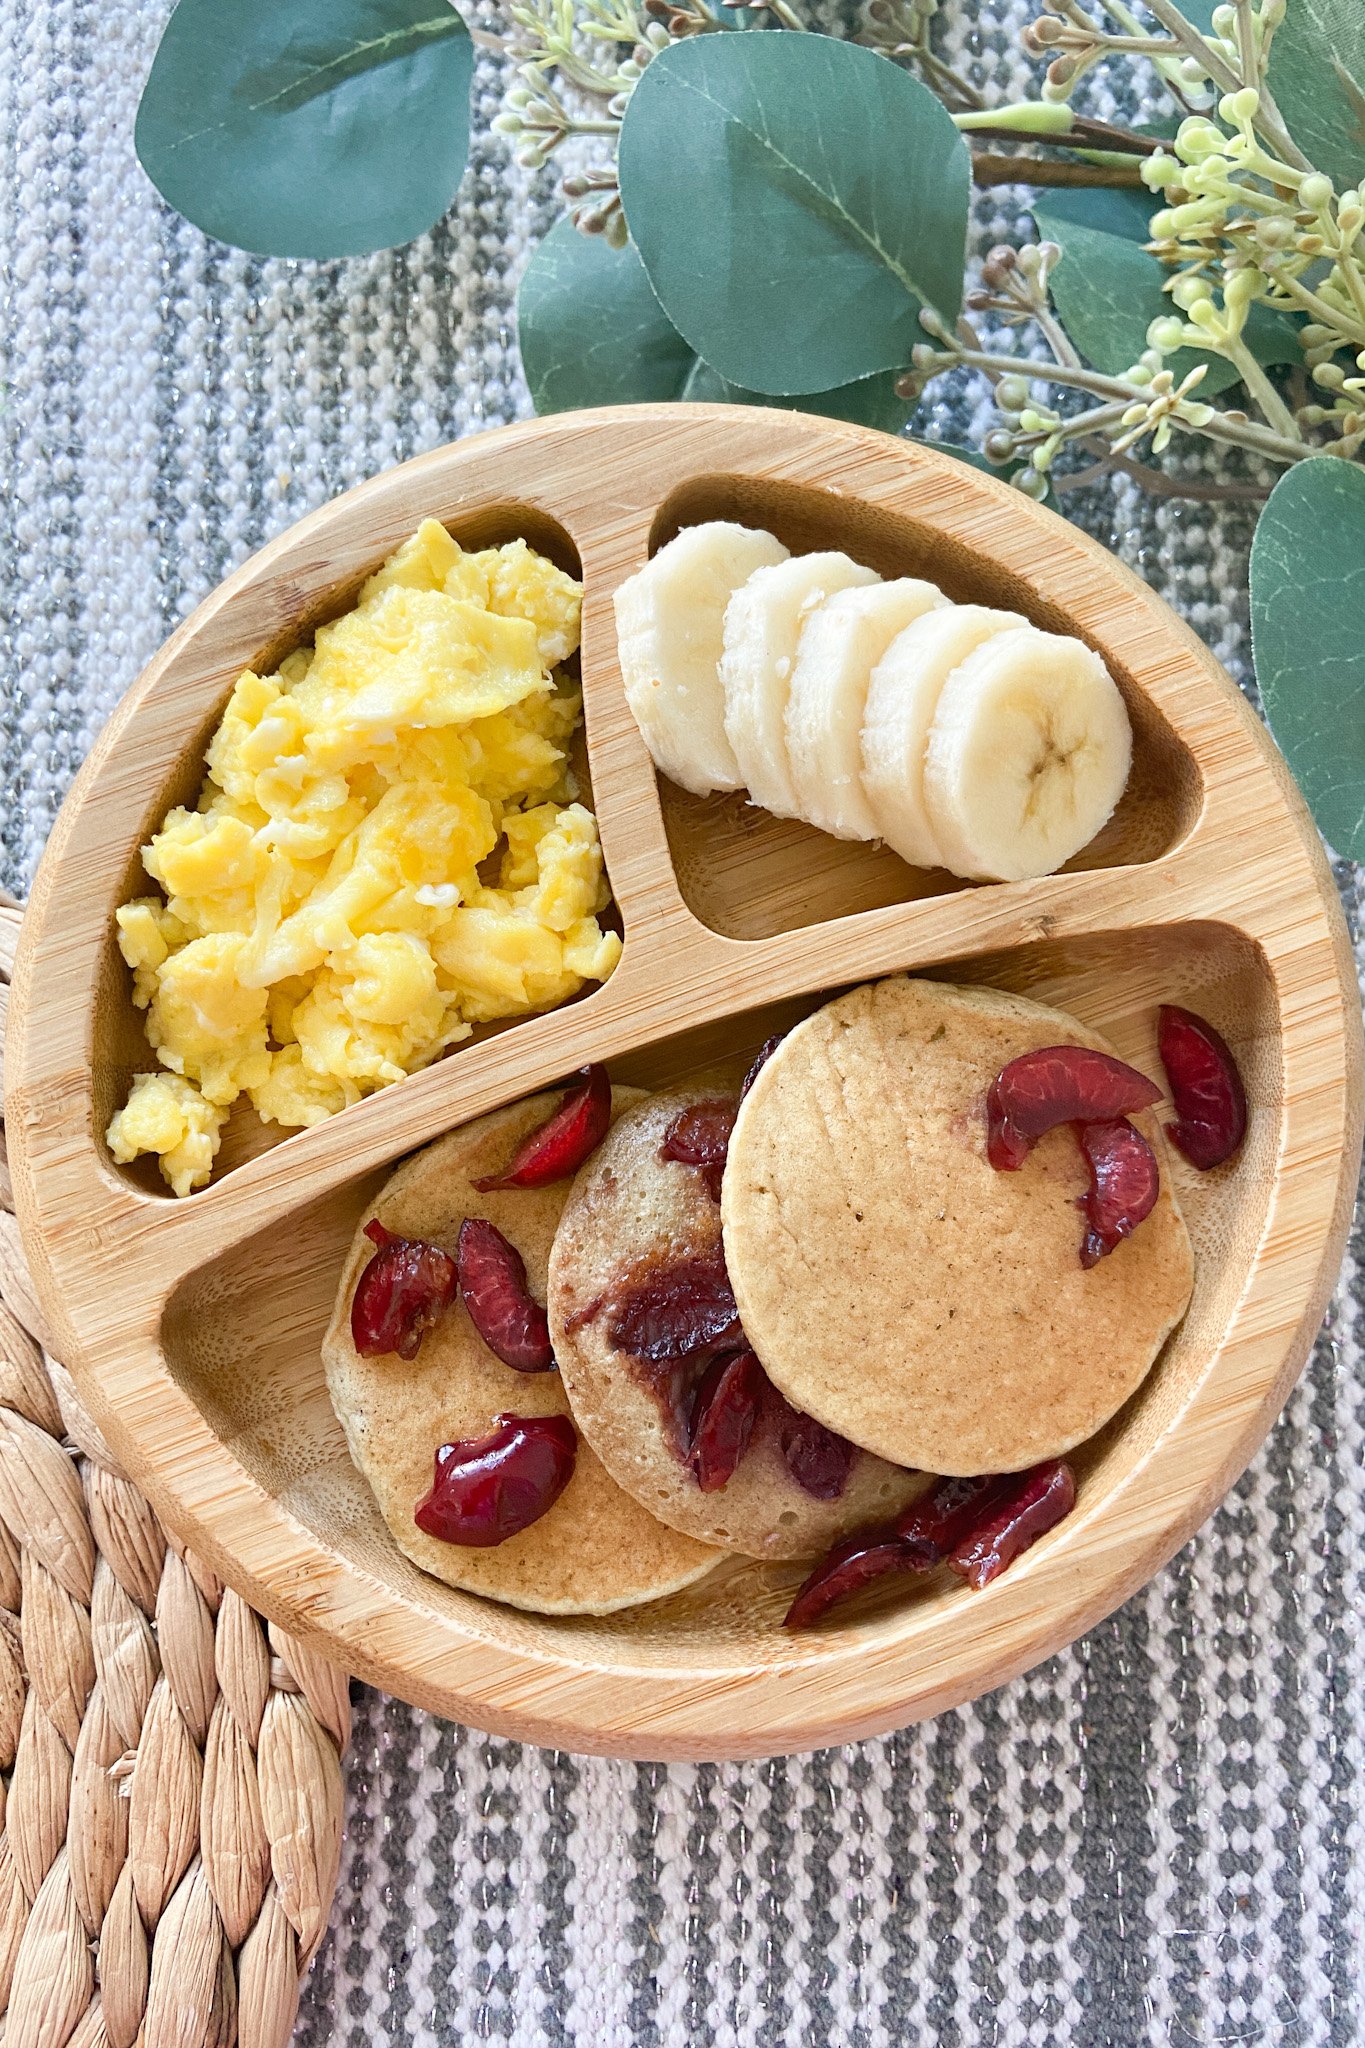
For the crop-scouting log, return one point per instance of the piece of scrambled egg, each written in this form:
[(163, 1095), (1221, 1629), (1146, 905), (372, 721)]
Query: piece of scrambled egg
[(385, 852)]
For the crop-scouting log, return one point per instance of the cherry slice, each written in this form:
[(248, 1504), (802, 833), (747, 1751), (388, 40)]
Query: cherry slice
[(723, 1418), (849, 1567), (501, 1306), (1210, 1100), (978, 1525), (700, 1136), (1033, 1503), (940, 1519), (491, 1487), (564, 1141), (406, 1288), (761, 1059), (1124, 1182), (679, 1312), (1058, 1084), (818, 1460)]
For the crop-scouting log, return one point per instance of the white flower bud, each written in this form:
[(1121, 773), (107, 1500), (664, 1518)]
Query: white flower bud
[(1188, 289), (1166, 334), (1273, 231), (1160, 172), (1330, 376), (1240, 108), (1315, 192)]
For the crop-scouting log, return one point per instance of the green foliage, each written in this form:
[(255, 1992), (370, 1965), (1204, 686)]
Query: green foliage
[(591, 330), (795, 201), (868, 402), (593, 333), (309, 127), (1317, 74), (1107, 288), (1307, 602)]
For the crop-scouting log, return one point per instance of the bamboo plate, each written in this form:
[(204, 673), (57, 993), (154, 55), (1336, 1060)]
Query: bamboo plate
[(194, 1326)]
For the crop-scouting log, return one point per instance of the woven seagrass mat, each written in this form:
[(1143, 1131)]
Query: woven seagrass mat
[(170, 1766)]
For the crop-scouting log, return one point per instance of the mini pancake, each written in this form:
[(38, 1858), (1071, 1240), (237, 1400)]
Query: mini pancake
[(632, 1212), (595, 1550), (896, 1286)]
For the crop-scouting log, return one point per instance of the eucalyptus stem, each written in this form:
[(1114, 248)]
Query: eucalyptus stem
[(990, 167), (1262, 390), (1218, 427)]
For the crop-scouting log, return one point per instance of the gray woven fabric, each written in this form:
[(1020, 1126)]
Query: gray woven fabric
[(1156, 1837)]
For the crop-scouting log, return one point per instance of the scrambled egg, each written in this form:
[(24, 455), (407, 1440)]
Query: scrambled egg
[(385, 852)]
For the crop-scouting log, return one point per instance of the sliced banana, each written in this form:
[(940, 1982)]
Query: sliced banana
[(1028, 754), (669, 622), (841, 643), (902, 698), (763, 622)]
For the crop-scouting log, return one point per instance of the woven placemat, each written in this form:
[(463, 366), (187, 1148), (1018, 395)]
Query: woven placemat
[(170, 1765)]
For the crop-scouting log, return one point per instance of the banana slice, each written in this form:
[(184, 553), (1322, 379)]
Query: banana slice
[(902, 698), (1028, 754), (669, 620), (841, 643), (763, 622)]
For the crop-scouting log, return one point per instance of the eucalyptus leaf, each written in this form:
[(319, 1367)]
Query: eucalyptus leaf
[(869, 402), (593, 333), (309, 127), (591, 330), (1307, 602), (795, 200), (1317, 75), (1107, 288)]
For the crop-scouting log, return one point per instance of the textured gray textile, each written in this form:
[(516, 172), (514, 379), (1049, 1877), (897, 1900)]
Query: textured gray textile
[(1156, 1837)]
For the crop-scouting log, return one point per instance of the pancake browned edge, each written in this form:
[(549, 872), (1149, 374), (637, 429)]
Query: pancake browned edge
[(632, 1211), (898, 1287), (596, 1549)]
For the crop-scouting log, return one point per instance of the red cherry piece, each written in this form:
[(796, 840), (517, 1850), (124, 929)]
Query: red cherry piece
[(1058, 1084), (849, 1567), (942, 1518), (501, 1306), (761, 1059), (723, 1418), (1124, 1181), (700, 1136), (1210, 1100), (679, 1312), (978, 1525), (817, 1459), (407, 1287), (562, 1143), (1033, 1503), (491, 1487)]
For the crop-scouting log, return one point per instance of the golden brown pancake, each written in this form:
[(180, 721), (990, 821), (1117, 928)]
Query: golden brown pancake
[(899, 1288), (632, 1211), (596, 1549)]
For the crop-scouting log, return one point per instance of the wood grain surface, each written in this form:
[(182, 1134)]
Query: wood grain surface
[(193, 1327)]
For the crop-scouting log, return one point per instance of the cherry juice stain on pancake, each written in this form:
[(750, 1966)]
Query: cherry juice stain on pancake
[(641, 1311)]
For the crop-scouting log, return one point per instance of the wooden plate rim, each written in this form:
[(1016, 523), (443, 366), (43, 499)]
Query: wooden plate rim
[(865, 1680)]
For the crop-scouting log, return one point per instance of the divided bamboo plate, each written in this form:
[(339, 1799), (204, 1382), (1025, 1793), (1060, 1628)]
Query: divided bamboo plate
[(193, 1327)]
